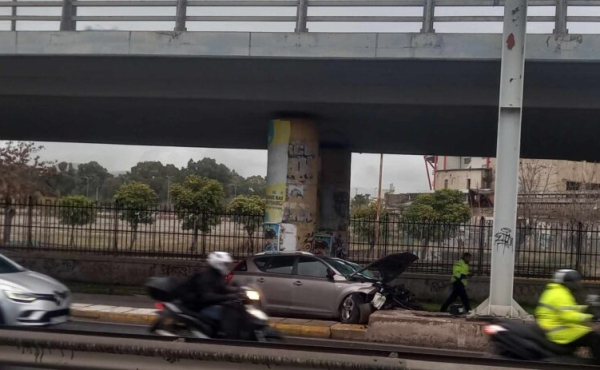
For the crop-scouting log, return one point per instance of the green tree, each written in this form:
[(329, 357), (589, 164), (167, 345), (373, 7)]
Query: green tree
[(364, 220), (248, 211), (435, 216), (76, 210), (91, 178), (157, 175), (198, 202), (360, 201), (23, 174), (135, 202)]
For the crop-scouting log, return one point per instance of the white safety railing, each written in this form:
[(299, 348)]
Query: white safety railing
[(67, 12)]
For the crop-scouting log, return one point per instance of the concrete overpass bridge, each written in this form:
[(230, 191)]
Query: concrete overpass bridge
[(411, 93)]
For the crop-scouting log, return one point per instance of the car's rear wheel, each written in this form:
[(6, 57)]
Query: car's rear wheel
[(350, 309)]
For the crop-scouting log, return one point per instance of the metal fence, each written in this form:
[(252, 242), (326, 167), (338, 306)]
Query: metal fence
[(70, 15), (541, 248)]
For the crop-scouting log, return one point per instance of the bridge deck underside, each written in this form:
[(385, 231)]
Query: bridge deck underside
[(391, 106)]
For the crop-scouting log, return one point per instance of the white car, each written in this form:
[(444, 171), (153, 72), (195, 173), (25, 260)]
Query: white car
[(31, 299)]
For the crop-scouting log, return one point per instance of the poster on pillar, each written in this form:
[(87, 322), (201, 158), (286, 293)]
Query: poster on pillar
[(272, 237), (322, 244), (277, 166), (288, 238)]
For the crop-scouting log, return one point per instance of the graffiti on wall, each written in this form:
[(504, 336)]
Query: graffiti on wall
[(437, 286), (503, 239), (297, 213), (295, 192)]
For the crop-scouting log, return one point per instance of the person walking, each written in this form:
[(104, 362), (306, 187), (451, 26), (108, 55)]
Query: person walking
[(460, 274)]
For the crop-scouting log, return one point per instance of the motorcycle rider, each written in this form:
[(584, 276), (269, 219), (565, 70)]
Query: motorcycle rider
[(564, 321), (206, 291)]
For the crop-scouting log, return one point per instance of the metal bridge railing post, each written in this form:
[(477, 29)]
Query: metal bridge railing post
[(67, 23), (180, 16), (301, 16), (560, 24), (13, 22), (428, 16)]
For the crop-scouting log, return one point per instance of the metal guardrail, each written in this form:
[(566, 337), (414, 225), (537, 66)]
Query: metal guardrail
[(69, 15)]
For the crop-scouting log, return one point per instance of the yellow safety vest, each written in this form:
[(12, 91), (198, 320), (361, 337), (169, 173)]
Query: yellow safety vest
[(460, 268), (559, 315)]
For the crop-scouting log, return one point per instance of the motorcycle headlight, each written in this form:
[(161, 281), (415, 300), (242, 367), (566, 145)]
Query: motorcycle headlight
[(253, 295), (258, 314), (22, 297)]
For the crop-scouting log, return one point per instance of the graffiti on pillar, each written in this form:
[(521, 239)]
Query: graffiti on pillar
[(341, 204), (322, 244), (300, 163), (295, 192), (298, 214), (307, 242), (503, 239)]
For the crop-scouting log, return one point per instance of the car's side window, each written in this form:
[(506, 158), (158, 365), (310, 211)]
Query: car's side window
[(311, 267), (275, 265)]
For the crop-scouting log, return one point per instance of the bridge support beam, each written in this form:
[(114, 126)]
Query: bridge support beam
[(334, 197), (500, 301), (292, 183)]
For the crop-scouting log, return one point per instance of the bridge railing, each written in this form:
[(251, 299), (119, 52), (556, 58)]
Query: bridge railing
[(299, 12)]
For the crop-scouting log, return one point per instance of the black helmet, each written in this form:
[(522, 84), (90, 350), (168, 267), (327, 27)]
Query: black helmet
[(569, 278)]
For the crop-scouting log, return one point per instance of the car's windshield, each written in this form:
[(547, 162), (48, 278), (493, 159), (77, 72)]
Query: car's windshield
[(9, 267), (347, 268)]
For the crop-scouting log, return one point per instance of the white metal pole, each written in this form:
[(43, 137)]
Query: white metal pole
[(500, 302)]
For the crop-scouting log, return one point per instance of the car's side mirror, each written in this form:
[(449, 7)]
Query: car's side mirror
[(330, 274)]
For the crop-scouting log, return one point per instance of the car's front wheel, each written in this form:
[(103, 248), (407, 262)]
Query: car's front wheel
[(350, 309)]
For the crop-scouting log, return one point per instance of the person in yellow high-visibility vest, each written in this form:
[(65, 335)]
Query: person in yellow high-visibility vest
[(562, 318), (460, 273)]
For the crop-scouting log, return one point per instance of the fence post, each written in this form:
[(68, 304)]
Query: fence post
[(560, 23), (116, 226), (67, 23), (428, 16), (301, 16), (579, 245), (481, 246), (180, 16), (30, 222)]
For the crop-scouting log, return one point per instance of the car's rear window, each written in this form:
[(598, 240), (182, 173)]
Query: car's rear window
[(275, 264)]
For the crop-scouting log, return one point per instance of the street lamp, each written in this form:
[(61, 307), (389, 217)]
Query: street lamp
[(234, 190)]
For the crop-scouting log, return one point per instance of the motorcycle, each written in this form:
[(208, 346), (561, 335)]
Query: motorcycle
[(527, 341), (522, 341), (174, 319)]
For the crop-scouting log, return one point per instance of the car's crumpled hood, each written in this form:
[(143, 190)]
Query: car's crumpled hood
[(391, 266)]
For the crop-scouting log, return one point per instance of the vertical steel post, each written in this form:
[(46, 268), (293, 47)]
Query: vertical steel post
[(301, 16), (13, 22), (67, 23), (500, 302), (428, 16), (560, 23), (180, 16)]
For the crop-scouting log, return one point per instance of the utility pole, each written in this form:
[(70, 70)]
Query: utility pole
[(87, 186), (378, 204)]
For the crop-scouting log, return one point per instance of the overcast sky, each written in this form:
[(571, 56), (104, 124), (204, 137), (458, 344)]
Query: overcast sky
[(407, 173)]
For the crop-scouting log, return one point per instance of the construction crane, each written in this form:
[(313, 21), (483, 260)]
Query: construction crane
[(431, 162)]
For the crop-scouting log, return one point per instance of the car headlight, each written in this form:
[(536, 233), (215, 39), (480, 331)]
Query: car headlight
[(253, 295), (17, 296)]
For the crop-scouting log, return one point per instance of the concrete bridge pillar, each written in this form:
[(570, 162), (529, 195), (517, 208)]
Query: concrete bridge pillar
[(334, 196), (292, 185)]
